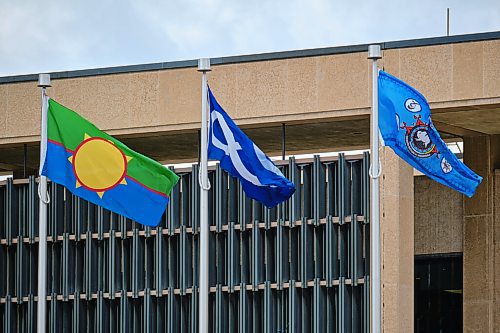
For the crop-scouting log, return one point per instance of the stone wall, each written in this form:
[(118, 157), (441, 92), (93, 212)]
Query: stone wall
[(438, 218)]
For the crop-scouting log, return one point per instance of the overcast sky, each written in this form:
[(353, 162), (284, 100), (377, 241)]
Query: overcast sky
[(44, 36)]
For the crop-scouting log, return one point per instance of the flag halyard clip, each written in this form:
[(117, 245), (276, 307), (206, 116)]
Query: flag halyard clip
[(200, 181), (379, 170), (45, 200)]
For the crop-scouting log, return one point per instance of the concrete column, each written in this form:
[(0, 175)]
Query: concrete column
[(481, 234), (397, 249), (496, 248)]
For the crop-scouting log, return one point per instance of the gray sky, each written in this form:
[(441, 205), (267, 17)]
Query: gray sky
[(54, 35)]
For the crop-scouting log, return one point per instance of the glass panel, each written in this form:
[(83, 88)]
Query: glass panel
[(438, 293)]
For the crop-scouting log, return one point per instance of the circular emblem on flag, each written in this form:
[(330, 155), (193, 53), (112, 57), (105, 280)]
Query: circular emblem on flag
[(445, 166), (412, 105), (417, 139), (419, 143), (99, 165)]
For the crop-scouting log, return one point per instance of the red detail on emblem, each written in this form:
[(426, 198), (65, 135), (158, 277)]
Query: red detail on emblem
[(418, 124)]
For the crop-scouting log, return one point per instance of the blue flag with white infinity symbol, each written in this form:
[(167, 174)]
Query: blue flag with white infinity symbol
[(405, 125), (240, 157)]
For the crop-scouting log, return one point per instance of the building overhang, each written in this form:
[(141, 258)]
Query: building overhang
[(321, 95)]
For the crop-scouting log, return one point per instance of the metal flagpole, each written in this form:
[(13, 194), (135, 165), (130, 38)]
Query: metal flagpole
[(374, 54), (204, 67), (43, 83)]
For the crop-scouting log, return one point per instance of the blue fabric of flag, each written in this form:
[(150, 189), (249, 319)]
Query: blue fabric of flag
[(406, 126), (240, 157), (133, 201)]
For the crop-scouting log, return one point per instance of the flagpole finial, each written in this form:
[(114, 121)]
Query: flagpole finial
[(374, 52), (204, 65), (44, 80)]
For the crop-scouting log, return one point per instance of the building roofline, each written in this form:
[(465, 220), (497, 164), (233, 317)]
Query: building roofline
[(476, 37)]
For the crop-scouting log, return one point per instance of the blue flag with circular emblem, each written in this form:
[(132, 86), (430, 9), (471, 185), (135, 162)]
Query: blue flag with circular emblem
[(406, 126)]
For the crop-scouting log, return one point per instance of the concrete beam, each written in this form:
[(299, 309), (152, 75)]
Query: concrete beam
[(268, 92)]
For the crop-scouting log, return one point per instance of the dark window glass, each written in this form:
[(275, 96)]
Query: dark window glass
[(438, 293)]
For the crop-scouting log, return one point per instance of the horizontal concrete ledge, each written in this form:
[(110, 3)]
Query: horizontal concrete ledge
[(333, 283), (494, 35), (272, 121), (245, 124), (188, 230)]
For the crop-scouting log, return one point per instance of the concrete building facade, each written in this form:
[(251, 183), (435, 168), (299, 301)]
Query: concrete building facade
[(323, 98)]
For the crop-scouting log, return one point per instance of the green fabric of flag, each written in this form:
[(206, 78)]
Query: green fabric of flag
[(101, 169)]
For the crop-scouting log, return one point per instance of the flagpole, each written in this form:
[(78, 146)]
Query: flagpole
[(204, 67), (374, 54), (43, 83)]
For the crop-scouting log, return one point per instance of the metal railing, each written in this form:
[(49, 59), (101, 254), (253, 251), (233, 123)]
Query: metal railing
[(300, 267)]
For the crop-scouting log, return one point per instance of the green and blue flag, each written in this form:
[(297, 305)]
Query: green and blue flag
[(95, 166)]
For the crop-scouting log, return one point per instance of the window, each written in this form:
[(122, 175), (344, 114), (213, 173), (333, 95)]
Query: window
[(438, 293)]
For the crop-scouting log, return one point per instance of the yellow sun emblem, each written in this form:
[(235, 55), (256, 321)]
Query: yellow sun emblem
[(99, 165)]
